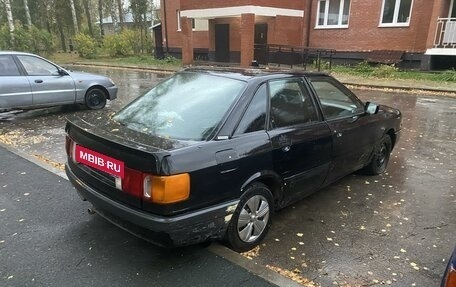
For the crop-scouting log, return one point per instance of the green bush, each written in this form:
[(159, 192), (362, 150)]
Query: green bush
[(448, 76), (122, 44), (127, 43), (31, 40), (86, 46), (5, 38), (42, 42), (385, 71), (23, 39), (364, 68)]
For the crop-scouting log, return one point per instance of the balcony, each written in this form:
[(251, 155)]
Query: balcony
[(445, 38)]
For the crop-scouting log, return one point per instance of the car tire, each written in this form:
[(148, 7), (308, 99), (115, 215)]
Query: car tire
[(380, 158), (95, 99), (251, 220)]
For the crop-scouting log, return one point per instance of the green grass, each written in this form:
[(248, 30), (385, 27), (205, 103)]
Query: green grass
[(140, 60), (390, 72)]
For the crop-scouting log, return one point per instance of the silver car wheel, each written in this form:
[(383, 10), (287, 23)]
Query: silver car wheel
[(253, 218)]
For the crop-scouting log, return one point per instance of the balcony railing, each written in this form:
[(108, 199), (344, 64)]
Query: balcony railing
[(445, 36)]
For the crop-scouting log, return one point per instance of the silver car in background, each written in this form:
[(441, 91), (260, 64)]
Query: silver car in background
[(30, 81)]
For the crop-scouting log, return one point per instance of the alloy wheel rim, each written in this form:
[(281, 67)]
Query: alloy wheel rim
[(382, 154), (253, 218)]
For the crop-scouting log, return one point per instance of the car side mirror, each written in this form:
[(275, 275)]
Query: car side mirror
[(62, 72), (371, 108)]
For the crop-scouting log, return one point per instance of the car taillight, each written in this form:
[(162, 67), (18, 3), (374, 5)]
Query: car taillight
[(67, 145), (156, 189), (451, 277), (70, 147), (132, 182), (166, 189)]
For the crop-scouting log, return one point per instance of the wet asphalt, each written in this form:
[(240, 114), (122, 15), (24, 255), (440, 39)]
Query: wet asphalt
[(46, 239), (396, 229)]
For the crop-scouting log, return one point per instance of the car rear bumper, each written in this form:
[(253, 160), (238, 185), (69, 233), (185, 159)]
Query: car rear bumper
[(185, 229), (112, 91), (397, 137)]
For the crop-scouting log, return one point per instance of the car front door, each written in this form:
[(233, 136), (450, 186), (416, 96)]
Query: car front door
[(301, 141), (15, 89), (49, 87), (352, 129)]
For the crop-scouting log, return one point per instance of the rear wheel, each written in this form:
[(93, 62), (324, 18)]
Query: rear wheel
[(95, 99), (252, 218), (380, 158)]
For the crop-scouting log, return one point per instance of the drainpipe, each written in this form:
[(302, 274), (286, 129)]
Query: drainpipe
[(166, 25), (309, 17)]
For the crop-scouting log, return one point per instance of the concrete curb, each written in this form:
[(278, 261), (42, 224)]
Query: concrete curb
[(127, 67), (254, 268), (36, 161), (399, 88), (357, 85)]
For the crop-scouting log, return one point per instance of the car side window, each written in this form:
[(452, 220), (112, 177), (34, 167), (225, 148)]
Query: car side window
[(290, 103), (8, 66), (335, 103), (254, 118), (37, 67)]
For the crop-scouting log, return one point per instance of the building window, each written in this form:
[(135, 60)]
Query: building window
[(333, 13), (396, 12), (179, 27)]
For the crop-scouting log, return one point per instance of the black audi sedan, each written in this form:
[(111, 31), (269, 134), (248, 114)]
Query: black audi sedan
[(210, 154)]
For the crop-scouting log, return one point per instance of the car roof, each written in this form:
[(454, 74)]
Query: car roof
[(247, 74), (15, 53)]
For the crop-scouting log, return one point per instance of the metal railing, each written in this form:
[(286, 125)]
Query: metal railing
[(294, 55), (445, 34)]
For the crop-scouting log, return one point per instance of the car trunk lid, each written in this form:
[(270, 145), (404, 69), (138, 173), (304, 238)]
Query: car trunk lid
[(112, 158)]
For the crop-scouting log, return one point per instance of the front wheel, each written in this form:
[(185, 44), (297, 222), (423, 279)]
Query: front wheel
[(252, 218), (95, 99), (380, 157)]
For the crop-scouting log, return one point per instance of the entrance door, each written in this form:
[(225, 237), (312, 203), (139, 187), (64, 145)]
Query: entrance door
[(261, 41), (159, 53), (222, 42)]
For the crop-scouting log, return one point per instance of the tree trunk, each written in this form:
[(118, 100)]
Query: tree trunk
[(9, 15), (73, 15), (62, 35), (121, 16), (113, 10), (89, 19), (47, 21), (27, 14), (100, 14)]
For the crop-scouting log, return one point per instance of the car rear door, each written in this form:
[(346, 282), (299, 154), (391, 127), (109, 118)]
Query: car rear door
[(301, 141), (49, 87), (15, 90), (352, 129)]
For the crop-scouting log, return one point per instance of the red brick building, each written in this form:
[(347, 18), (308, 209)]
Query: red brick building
[(422, 32)]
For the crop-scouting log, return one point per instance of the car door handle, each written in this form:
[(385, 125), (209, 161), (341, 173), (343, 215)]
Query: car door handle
[(337, 134), (38, 81)]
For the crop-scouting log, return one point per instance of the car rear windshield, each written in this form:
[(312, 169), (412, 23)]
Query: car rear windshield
[(188, 106)]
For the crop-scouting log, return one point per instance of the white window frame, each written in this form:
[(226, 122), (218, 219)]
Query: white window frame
[(395, 16), (325, 19), (178, 16)]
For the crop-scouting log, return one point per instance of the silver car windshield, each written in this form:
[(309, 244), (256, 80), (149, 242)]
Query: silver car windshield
[(188, 106)]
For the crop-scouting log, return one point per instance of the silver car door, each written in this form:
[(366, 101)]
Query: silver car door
[(15, 90), (49, 87)]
